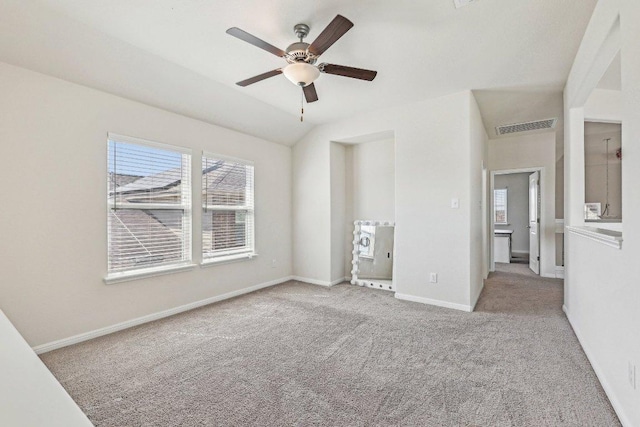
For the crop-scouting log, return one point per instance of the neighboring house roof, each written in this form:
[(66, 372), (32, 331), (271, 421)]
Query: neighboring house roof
[(139, 238), (163, 180)]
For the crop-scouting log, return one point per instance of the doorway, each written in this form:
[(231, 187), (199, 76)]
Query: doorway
[(516, 206)]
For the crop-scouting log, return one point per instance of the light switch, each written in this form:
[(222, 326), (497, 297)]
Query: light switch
[(455, 203)]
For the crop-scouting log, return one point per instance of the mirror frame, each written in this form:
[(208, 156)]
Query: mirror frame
[(370, 283)]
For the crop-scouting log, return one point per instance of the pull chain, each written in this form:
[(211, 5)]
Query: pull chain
[(302, 106)]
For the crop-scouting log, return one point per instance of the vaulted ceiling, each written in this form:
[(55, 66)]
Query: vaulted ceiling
[(175, 54)]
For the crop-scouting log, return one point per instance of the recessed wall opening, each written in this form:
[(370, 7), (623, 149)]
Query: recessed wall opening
[(603, 172)]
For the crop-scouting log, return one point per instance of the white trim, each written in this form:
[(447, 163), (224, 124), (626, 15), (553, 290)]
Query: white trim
[(54, 345), (126, 276), (559, 226), (314, 281), (559, 272), (600, 235), (133, 140), (436, 302), (214, 156), (227, 259), (542, 180), (338, 281), (617, 406)]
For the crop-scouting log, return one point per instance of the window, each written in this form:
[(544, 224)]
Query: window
[(227, 208), (149, 206), (500, 206)]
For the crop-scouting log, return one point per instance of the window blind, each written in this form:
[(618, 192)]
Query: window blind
[(149, 204), (500, 205), (227, 207)]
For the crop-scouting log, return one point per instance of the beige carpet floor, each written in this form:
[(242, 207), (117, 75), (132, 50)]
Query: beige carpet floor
[(304, 355)]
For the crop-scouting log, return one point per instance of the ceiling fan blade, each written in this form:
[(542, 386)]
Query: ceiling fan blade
[(243, 35), (341, 70), (336, 29), (310, 93), (259, 77)]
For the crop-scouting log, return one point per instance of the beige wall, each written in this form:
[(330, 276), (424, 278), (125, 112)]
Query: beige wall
[(53, 255)]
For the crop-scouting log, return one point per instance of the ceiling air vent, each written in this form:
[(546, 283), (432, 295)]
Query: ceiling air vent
[(526, 127)]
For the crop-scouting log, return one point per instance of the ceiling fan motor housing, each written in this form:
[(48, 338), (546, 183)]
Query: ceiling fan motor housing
[(297, 52)]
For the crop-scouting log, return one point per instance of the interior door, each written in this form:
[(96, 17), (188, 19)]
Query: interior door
[(534, 222)]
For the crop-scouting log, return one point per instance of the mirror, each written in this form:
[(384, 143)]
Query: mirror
[(373, 254)]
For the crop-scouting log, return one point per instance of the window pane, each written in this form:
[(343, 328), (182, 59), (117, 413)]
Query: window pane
[(500, 205), (149, 196), (227, 218), (142, 174), (141, 238)]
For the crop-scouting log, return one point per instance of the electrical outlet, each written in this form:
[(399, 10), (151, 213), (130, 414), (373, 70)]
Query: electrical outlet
[(433, 277), (632, 375), (273, 263)]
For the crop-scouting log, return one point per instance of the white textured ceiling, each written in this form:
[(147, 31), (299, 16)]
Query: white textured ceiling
[(175, 54)]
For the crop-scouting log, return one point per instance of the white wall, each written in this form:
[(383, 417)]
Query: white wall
[(339, 221), (370, 182), (517, 185), (373, 170), (312, 211), (53, 255), (604, 106), (432, 166), (601, 285), (533, 151), (30, 395), (479, 221)]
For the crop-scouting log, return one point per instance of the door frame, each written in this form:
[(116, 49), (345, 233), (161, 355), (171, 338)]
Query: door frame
[(492, 264)]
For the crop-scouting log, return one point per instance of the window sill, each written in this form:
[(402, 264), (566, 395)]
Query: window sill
[(227, 259), (600, 235), (147, 272)]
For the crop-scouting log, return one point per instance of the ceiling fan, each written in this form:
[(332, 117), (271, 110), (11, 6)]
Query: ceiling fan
[(301, 57)]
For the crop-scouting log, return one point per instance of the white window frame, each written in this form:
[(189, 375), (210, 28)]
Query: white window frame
[(506, 209), (185, 205), (249, 251)]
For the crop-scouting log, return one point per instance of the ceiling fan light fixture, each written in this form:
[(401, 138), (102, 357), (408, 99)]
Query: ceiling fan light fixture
[(301, 73)]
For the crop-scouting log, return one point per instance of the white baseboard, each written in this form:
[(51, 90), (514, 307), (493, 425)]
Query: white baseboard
[(559, 272), (615, 403), (436, 302), (316, 282), (54, 345)]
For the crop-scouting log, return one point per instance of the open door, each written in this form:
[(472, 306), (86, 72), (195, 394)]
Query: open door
[(534, 222)]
